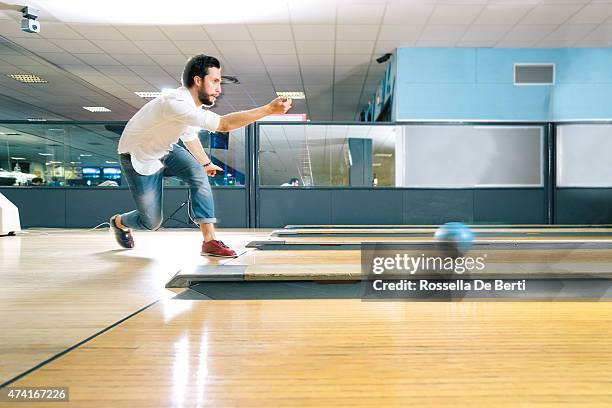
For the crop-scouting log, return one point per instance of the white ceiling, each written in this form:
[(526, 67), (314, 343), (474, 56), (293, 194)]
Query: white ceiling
[(99, 53)]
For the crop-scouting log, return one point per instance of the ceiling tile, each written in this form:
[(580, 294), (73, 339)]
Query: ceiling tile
[(228, 32), (169, 60), (408, 14), (77, 46), (550, 14), (119, 47), (97, 59), (529, 33), (353, 59), (360, 13), (454, 14), (37, 44), (502, 14), (281, 59), (314, 32), (312, 12), (356, 32), (157, 47), (592, 14), (485, 33), (59, 31), (447, 33), (399, 32), (275, 47), (271, 32), (179, 33), (382, 47), (315, 47), (313, 59), (133, 59), (190, 48), (98, 31), (354, 47), (142, 33)]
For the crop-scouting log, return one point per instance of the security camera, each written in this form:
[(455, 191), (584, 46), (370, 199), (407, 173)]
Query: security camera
[(383, 58), (29, 23)]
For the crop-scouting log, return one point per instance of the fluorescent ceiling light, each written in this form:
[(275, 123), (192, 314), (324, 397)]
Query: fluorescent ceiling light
[(37, 120), (291, 94), (376, 164), (46, 154), (229, 80), (75, 162), (28, 79), (111, 162), (383, 155), (54, 162), (145, 94), (18, 158), (85, 155), (96, 108)]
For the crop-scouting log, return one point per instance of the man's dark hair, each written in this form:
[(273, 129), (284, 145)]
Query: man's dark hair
[(198, 65)]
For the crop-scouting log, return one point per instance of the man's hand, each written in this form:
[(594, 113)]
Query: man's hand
[(212, 170), (280, 105)]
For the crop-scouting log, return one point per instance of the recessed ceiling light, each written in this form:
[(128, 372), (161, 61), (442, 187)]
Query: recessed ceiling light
[(292, 94), (376, 164), (75, 162), (18, 158), (383, 155), (85, 155), (54, 162), (46, 154), (111, 162), (28, 79), (145, 94), (37, 120), (96, 108)]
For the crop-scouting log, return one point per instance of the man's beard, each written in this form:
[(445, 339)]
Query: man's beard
[(205, 99)]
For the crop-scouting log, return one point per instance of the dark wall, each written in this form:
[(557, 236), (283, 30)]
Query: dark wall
[(87, 207), (583, 206), (279, 207)]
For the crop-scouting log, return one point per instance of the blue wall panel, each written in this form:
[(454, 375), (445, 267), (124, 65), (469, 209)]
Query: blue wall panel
[(478, 84)]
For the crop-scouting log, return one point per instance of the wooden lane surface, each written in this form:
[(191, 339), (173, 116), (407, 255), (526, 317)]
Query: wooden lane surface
[(60, 286), (430, 230), (346, 265), (337, 353), (492, 238), (434, 226)]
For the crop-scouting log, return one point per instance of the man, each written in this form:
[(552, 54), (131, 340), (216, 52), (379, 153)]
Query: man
[(148, 151)]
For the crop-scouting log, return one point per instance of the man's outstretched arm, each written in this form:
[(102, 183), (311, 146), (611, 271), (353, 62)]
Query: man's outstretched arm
[(237, 120)]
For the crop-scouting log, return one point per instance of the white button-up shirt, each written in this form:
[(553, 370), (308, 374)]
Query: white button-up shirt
[(152, 131)]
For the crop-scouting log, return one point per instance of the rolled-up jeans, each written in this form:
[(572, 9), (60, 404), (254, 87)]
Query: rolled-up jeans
[(148, 190)]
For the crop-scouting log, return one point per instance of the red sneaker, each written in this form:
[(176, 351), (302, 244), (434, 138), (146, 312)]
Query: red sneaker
[(217, 248)]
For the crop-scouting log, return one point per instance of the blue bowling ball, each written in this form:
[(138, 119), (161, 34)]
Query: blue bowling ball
[(454, 239)]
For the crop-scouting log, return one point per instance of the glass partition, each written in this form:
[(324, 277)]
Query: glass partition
[(583, 155), (327, 155), (73, 154), (466, 156), (414, 156)]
